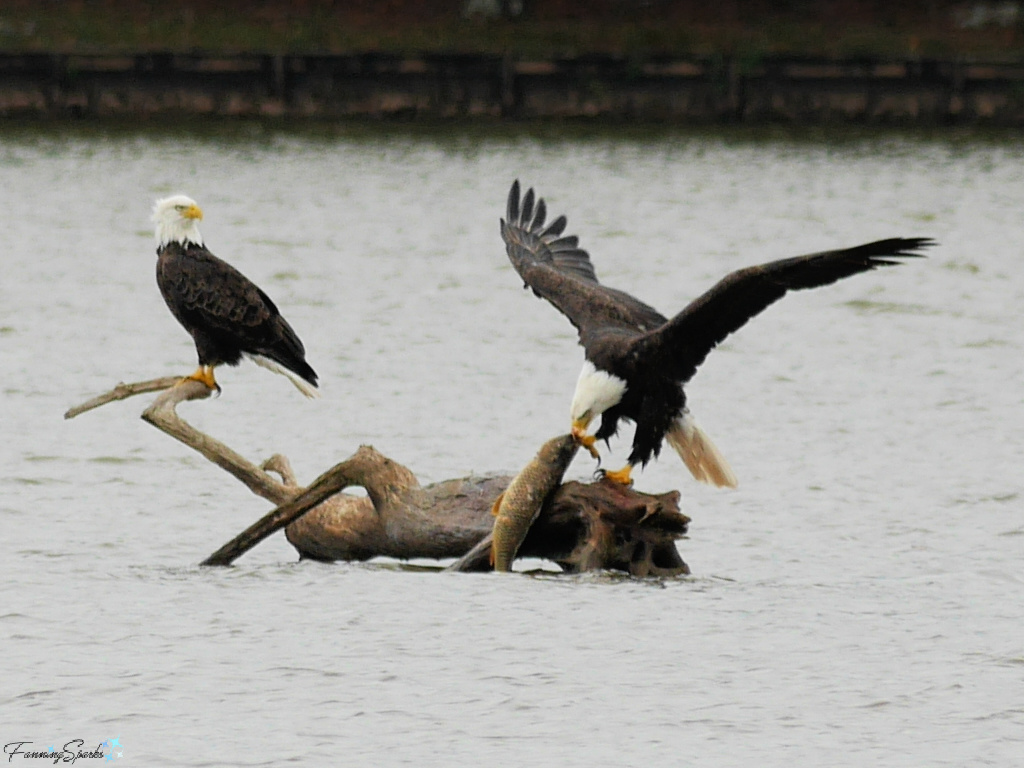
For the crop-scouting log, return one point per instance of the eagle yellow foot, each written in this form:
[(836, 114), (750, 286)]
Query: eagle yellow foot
[(204, 375), (621, 476), (587, 441)]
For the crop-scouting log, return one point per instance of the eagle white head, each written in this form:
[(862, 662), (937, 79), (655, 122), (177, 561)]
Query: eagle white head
[(177, 220), (596, 392)]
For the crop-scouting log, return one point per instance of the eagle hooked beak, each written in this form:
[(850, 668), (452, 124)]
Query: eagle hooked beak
[(192, 212)]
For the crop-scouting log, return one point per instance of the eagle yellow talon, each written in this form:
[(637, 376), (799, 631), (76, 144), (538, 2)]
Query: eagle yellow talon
[(587, 441), (204, 375), (621, 476)]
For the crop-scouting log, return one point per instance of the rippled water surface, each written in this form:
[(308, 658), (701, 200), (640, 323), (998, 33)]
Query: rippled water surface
[(858, 600)]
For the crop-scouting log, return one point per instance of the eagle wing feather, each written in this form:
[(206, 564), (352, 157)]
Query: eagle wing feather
[(558, 270), (682, 344), (210, 296)]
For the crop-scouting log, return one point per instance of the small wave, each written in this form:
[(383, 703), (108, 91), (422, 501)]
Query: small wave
[(891, 307)]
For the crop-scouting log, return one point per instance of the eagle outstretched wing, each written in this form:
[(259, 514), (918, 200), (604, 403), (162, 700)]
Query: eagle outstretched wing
[(557, 269), (680, 346)]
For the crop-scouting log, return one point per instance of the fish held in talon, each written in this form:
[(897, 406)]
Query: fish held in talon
[(227, 315), (636, 360)]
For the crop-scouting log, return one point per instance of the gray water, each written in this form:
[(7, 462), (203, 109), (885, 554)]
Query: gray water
[(856, 601)]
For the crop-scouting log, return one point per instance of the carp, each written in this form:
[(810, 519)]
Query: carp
[(518, 506)]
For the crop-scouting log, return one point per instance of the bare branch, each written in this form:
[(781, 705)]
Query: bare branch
[(279, 463), (162, 415), (122, 392)]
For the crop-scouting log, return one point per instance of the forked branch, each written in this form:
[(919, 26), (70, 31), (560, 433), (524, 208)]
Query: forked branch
[(162, 415)]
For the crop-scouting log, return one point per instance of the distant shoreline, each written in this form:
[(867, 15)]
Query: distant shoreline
[(658, 90)]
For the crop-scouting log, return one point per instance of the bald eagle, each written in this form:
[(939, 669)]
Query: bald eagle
[(637, 360), (226, 314)]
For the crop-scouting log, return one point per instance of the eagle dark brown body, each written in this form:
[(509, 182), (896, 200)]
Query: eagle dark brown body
[(226, 313)]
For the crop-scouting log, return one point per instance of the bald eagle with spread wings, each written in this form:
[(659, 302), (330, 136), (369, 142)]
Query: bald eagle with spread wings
[(227, 315), (636, 359)]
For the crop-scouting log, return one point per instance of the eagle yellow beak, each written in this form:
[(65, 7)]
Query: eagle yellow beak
[(581, 424), (193, 212)]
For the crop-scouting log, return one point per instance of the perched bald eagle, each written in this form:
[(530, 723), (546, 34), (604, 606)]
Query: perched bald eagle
[(637, 360), (226, 313)]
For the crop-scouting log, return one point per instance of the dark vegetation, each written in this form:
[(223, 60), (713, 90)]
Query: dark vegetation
[(530, 28)]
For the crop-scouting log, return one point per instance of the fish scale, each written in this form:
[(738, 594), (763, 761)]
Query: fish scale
[(517, 508)]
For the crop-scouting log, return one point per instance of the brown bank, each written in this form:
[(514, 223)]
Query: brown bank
[(701, 90)]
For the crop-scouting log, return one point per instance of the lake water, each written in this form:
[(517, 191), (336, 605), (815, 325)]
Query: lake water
[(858, 600)]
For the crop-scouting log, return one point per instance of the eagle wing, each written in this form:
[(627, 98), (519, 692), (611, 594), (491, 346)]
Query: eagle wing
[(557, 269), (680, 346), (210, 296)]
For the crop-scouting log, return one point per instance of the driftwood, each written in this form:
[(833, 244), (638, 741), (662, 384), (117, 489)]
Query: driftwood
[(581, 526)]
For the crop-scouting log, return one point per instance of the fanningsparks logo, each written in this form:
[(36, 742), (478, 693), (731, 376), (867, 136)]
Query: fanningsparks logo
[(70, 752)]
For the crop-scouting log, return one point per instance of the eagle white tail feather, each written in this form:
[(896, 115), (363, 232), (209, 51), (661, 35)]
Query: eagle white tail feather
[(699, 454), (300, 384)]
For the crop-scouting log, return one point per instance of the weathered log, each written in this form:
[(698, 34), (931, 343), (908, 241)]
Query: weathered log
[(399, 519), (581, 526)]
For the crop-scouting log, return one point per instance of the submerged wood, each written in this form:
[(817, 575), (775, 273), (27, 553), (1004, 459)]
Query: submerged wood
[(581, 526), (600, 525)]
